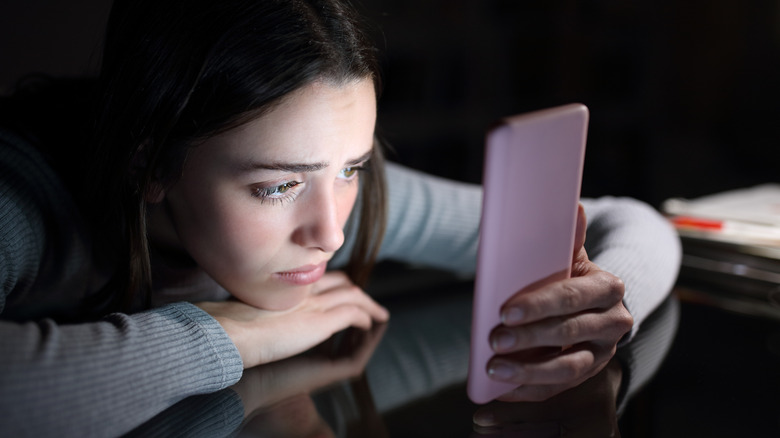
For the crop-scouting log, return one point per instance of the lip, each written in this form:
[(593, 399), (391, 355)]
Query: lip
[(303, 275)]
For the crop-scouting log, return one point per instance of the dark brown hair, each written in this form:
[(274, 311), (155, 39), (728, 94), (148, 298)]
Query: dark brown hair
[(175, 72)]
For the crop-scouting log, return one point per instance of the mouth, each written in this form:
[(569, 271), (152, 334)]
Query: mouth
[(303, 275)]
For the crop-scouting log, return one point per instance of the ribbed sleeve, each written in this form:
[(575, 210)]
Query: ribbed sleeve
[(90, 379), (432, 221), (631, 240), (104, 378)]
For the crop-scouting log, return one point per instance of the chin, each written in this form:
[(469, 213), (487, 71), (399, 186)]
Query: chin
[(279, 300)]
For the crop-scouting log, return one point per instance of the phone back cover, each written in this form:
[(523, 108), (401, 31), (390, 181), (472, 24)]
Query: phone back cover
[(532, 178)]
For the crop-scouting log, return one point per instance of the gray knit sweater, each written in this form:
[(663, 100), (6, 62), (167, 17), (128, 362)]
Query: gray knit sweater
[(103, 377)]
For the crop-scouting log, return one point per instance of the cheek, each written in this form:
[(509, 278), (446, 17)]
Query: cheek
[(250, 235), (346, 202), (228, 236)]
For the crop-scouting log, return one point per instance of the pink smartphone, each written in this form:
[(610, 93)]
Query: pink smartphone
[(531, 182)]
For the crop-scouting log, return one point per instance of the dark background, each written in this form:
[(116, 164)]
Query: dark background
[(683, 94)]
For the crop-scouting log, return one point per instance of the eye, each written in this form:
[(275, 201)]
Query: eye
[(281, 192), (351, 172), (348, 172)]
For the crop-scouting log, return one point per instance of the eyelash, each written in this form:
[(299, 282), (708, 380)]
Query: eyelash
[(268, 194)]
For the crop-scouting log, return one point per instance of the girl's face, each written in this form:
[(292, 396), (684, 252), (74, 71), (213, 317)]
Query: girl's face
[(261, 208)]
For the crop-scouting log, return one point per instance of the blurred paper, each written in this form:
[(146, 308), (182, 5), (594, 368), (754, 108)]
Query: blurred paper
[(745, 216), (760, 205)]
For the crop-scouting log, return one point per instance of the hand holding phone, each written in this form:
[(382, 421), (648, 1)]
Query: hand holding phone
[(531, 182), (546, 318)]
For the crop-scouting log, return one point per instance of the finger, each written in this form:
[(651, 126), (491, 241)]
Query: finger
[(349, 315), (573, 365), (351, 295), (604, 327), (580, 231), (596, 290), (330, 280), (313, 325)]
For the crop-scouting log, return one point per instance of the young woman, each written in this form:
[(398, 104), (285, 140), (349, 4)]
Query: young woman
[(231, 161)]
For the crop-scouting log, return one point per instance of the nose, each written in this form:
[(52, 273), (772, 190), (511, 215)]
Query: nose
[(320, 226)]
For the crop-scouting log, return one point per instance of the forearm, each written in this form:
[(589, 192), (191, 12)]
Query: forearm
[(106, 377), (431, 222), (632, 241)]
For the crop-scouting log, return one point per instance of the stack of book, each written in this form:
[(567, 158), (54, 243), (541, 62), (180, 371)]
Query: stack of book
[(731, 248)]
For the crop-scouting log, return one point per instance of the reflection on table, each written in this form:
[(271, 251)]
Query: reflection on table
[(407, 379)]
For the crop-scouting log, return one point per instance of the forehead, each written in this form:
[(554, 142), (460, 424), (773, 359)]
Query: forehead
[(311, 123)]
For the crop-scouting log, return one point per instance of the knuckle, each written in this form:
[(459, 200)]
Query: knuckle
[(351, 291), (627, 317), (619, 324), (569, 329), (577, 366), (627, 321), (524, 373), (364, 320), (524, 338), (623, 318), (570, 296), (615, 287), (570, 370), (357, 316), (533, 307)]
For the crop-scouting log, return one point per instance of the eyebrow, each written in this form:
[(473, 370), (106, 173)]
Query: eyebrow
[(298, 167)]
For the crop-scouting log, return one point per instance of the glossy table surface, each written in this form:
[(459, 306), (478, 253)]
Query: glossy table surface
[(407, 379), (721, 378)]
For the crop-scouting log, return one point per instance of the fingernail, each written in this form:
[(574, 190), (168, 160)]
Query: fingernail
[(484, 418), (501, 371), (512, 315), (503, 340)]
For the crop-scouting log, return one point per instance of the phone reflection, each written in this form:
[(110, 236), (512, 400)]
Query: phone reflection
[(587, 410), (407, 378)]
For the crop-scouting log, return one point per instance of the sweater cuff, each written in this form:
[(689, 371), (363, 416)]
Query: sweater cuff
[(223, 348)]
